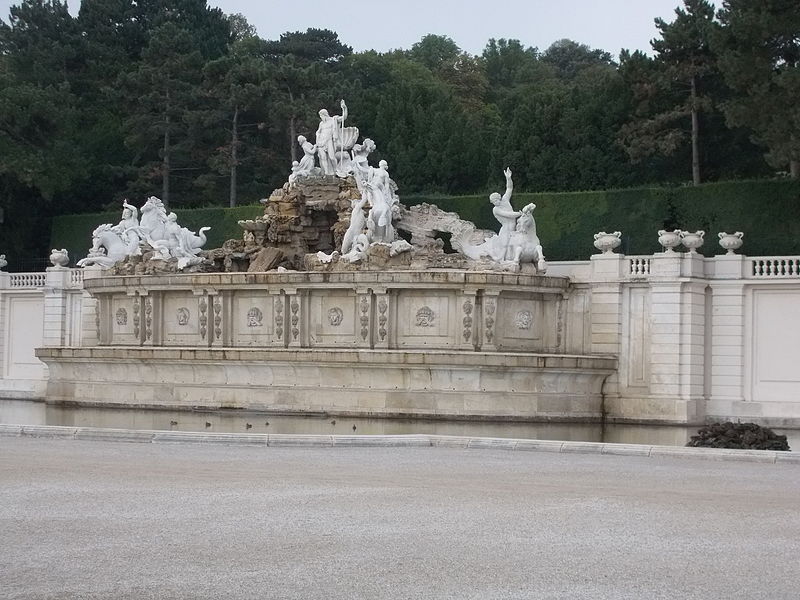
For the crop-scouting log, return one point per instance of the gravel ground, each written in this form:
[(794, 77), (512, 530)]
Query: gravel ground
[(122, 520)]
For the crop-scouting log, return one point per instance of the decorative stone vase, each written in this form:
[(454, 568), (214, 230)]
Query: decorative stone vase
[(669, 239), (731, 241), (59, 258), (692, 241), (607, 242)]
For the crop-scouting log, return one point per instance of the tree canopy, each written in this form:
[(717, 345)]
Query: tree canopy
[(138, 97)]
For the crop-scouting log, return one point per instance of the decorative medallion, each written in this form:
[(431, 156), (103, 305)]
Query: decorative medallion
[(425, 317), (122, 317), (254, 317), (524, 319), (335, 316), (183, 316)]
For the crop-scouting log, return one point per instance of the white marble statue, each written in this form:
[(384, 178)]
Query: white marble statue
[(516, 242), (128, 228), (359, 164), (379, 194), (108, 248), (306, 165), (113, 243), (154, 218), (328, 138), (3, 261), (506, 215), (358, 222)]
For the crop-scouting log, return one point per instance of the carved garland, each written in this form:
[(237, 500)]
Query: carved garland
[(203, 317), (279, 317), (136, 316), (217, 317), (295, 306), (490, 307), (467, 320), (148, 318), (382, 319), (364, 307)]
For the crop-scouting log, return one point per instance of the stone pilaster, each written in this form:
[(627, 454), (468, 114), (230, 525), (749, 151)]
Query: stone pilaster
[(54, 332), (294, 317)]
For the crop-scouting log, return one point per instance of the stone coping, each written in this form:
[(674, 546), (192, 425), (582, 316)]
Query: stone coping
[(394, 441), (381, 279), (343, 356)]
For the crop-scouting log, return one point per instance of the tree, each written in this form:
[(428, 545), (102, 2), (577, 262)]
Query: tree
[(164, 87), (235, 84), (303, 62), (758, 45), (569, 58), (672, 88)]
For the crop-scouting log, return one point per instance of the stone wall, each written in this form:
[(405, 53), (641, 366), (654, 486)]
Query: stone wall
[(697, 339)]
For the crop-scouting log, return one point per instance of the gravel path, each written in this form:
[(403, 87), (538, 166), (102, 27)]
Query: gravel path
[(121, 520)]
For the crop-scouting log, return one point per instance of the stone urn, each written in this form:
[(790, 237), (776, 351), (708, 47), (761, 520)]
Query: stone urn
[(669, 239), (59, 258), (607, 242), (731, 241), (692, 241)]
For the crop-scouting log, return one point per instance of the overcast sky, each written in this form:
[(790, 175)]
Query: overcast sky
[(386, 24)]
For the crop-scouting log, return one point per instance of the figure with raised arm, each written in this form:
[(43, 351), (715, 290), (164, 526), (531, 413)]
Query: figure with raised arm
[(327, 138), (507, 216)]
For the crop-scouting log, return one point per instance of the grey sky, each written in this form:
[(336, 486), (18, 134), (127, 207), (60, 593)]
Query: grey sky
[(386, 24)]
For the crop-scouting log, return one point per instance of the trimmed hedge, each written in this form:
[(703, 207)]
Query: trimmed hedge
[(767, 211)]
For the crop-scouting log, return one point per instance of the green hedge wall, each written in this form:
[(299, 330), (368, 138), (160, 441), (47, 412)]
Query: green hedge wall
[(767, 211)]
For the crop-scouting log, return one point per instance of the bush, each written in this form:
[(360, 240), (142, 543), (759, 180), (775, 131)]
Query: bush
[(741, 436)]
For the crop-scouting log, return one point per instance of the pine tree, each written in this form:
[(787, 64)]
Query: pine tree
[(160, 93), (670, 90), (236, 86), (759, 54)]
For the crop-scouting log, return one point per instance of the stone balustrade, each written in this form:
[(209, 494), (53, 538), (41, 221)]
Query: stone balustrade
[(766, 267)]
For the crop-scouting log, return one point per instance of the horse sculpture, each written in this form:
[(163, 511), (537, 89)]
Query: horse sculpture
[(525, 242), (108, 247)]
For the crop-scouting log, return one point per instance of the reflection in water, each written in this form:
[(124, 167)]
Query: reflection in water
[(25, 412)]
